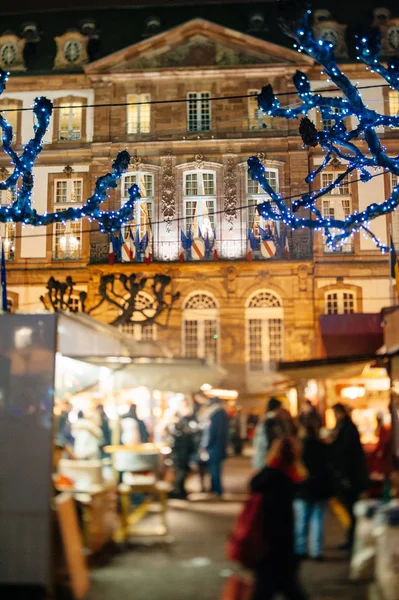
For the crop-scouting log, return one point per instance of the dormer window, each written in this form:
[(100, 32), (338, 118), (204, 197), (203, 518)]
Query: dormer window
[(11, 52), (71, 50), (393, 37)]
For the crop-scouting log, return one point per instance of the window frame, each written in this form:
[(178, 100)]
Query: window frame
[(137, 104), (144, 200), (266, 315), (340, 301), (261, 121), (198, 112), (137, 330), (332, 198), (5, 104), (260, 198), (69, 226), (201, 200), (201, 316), (77, 100)]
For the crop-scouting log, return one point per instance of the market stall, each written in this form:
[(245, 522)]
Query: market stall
[(46, 361)]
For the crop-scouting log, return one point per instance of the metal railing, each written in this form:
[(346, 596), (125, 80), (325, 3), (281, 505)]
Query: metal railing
[(233, 250)]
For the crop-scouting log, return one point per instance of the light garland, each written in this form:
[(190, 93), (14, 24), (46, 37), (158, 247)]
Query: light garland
[(21, 211), (339, 141)]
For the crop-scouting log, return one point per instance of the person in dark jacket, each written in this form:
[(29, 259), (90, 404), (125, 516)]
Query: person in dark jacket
[(132, 414), (312, 494), (105, 428), (214, 442), (182, 432), (349, 466), (310, 414), (278, 573)]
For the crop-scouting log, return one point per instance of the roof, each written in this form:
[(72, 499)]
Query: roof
[(122, 26)]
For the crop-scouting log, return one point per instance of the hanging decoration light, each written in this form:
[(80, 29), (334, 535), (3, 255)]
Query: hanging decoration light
[(339, 141), (22, 179)]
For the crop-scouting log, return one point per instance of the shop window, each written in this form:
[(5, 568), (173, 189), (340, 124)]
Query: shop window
[(339, 303), (256, 195), (138, 113), (200, 202), (201, 327), (144, 207), (198, 111), (256, 118), (264, 330), (337, 208)]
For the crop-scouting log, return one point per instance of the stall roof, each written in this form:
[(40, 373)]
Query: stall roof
[(180, 375), (341, 367), (351, 334), (81, 335)]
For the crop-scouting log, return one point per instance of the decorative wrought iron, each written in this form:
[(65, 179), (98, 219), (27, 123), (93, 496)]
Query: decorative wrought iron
[(62, 296), (125, 292)]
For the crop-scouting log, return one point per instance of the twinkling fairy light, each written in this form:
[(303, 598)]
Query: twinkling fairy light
[(339, 141), (21, 210)]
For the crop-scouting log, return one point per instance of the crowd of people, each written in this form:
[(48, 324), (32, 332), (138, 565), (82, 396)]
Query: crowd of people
[(300, 466)]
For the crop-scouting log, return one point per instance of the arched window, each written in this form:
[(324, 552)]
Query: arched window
[(139, 329), (201, 326), (339, 302), (264, 330), (199, 191), (256, 195)]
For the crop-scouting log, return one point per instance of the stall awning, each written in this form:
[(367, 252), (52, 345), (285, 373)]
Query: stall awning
[(328, 368), (352, 334), (179, 375)]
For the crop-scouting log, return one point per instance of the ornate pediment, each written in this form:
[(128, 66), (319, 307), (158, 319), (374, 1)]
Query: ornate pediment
[(197, 43)]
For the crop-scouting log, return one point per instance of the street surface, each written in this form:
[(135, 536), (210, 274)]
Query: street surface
[(194, 565)]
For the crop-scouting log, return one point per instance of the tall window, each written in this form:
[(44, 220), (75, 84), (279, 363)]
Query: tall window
[(328, 124), (264, 330), (144, 208), (9, 112), (256, 195), (395, 214), (201, 327), (393, 103), (198, 111), (138, 113), (339, 303), (8, 230), (138, 329), (67, 240), (337, 204), (70, 121), (200, 202), (256, 118)]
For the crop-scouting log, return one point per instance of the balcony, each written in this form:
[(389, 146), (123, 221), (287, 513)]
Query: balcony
[(231, 250)]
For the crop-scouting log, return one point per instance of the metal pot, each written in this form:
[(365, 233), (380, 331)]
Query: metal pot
[(135, 462)]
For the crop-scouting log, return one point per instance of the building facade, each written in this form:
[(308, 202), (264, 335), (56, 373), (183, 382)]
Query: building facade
[(245, 306)]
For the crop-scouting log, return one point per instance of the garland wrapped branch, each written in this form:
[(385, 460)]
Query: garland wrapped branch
[(21, 180), (338, 141)]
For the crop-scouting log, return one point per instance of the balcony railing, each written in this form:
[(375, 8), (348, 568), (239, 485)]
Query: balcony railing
[(169, 251)]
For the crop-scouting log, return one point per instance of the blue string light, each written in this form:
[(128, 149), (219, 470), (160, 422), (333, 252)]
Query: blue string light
[(21, 211), (339, 141)]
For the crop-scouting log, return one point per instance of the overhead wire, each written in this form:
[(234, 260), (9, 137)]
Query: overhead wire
[(185, 100), (182, 218)]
